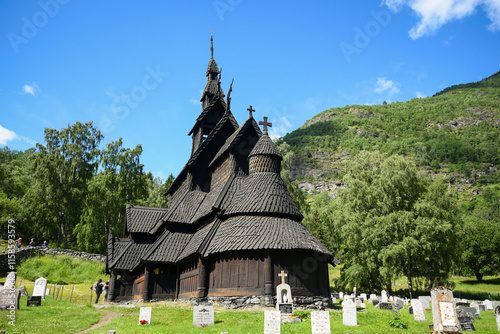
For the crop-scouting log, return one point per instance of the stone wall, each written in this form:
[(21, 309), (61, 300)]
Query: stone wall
[(310, 303), (26, 252)]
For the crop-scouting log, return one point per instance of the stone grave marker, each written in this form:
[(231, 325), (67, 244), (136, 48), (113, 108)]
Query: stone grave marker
[(145, 315), (272, 322), (400, 302), (496, 311), (320, 322), (476, 306), (341, 295), (468, 309), (10, 281), (34, 301), (410, 309), (363, 295), (425, 301), (9, 299), (384, 297), (334, 300), (373, 296), (112, 331), (203, 315), (466, 320), (335, 295), (444, 316), (22, 290), (374, 302), (284, 301), (47, 292), (349, 315), (418, 310), (40, 286), (488, 304), (384, 306)]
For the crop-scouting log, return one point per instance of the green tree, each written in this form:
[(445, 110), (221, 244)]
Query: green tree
[(157, 187), (392, 221), (61, 169), (120, 180)]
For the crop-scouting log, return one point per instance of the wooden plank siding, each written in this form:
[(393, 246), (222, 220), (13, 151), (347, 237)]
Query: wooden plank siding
[(188, 279)]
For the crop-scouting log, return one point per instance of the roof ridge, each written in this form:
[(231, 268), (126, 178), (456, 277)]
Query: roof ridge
[(122, 253)]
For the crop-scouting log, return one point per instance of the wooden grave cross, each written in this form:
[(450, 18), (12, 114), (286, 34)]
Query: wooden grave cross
[(282, 274)]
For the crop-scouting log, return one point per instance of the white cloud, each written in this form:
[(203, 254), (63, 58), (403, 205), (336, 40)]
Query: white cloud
[(27, 89), (388, 87), (420, 95), (433, 14), (194, 101), (281, 126), (6, 135)]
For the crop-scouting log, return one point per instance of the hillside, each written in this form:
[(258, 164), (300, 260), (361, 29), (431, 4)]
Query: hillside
[(455, 132)]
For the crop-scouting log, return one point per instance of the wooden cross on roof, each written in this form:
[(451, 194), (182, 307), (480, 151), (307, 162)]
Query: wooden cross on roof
[(282, 275), (265, 124), (251, 110)]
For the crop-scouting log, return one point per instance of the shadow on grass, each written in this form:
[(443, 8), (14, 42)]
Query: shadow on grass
[(487, 281)]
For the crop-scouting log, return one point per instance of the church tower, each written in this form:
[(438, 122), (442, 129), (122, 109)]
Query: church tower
[(212, 103)]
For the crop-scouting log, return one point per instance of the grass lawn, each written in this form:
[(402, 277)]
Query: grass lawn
[(56, 317)]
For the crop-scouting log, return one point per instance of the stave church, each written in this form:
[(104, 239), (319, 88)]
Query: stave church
[(231, 225)]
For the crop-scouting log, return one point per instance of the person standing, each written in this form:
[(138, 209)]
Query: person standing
[(105, 291), (32, 243), (98, 289), (354, 290)]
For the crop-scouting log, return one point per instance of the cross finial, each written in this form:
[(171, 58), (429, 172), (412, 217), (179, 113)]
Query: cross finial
[(211, 43), (282, 275), (265, 124), (251, 110)]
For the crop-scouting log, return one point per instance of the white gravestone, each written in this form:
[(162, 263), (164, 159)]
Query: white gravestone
[(418, 310), (272, 322), (203, 315), (284, 299), (476, 306), (349, 315), (444, 315), (334, 300), (384, 297), (40, 287), (320, 322), (425, 301), (47, 292), (341, 295), (496, 311), (363, 295), (488, 304), (145, 315), (10, 281)]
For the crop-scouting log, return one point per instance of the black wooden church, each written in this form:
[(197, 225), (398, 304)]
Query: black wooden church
[(231, 225)]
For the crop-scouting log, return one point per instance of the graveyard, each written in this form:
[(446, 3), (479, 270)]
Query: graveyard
[(57, 315)]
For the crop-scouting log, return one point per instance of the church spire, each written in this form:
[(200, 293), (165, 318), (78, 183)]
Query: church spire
[(211, 46)]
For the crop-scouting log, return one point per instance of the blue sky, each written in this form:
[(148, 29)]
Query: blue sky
[(137, 68)]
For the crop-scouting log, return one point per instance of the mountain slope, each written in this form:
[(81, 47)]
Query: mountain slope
[(455, 132)]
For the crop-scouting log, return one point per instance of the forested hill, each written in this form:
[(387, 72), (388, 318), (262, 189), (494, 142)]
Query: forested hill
[(455, 132)]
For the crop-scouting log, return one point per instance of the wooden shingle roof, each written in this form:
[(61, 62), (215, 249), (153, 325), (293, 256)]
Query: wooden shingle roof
[(260, 232), (142, 219), (265, 146), (167, 247), (199, 238), (186, 207), (130, 257), (264, 194)]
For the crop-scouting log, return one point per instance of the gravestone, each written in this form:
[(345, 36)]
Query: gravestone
[(341, 295), (284, 299), (334, 300), (468, 309), (384, 297), (363, 295), (444, 316), (418, 310), (466, 320), (496, 311), (10, 281), (476, 306), (488, 304), (425, 301), (373, 296), (272, 322), (400, 302), (47, 292), (203, 315), (9, 299), (34, 301), (410, 309), (335, 295), (40, 286), (358, 302), (349, 315), (145, 315), (22, 290), (384, 306), (320, 322), (112, 331), (375, 302)]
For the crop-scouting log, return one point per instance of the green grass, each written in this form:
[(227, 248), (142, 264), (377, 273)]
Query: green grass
[(61, 269)]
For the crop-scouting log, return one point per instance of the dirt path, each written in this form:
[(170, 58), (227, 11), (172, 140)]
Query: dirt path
[(103, 321)]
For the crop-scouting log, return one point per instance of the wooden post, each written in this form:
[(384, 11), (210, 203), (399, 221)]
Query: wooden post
[(177, 279), (111, 288), (62, 291), (91, 295), (145, 291), (202, 277), (53, 290), (71, 296), (268, 272)]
